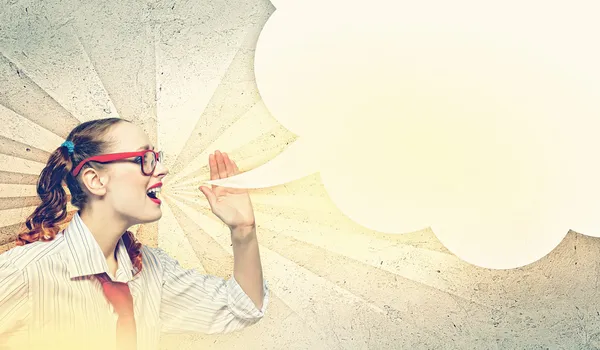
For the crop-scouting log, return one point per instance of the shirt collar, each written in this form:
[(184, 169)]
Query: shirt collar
[(86, 257)]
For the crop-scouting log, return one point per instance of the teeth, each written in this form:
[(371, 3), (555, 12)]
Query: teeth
[(155, 190)]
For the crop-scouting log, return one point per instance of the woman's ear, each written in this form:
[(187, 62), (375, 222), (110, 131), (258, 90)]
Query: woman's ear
[(94, 181)]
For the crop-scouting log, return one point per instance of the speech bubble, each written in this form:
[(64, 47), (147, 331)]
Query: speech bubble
[(461, 116)]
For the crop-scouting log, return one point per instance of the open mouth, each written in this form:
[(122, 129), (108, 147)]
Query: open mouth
[(154, 194)]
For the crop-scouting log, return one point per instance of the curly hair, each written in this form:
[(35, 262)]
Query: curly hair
[(43, 224)]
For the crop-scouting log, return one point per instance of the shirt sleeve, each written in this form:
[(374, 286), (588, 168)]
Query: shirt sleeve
[(14, 305), (194, 302)]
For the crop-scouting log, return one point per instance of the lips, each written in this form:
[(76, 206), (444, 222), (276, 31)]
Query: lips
[(158, 184)]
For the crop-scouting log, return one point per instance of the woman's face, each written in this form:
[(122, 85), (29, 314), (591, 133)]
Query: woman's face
[(127, 188)]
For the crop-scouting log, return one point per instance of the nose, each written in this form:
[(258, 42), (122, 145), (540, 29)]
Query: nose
[(160, 170)]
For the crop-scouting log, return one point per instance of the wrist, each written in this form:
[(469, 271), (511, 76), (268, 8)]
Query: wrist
[(243, 234)]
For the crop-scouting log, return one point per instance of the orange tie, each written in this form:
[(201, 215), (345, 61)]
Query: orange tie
[(119, 295)]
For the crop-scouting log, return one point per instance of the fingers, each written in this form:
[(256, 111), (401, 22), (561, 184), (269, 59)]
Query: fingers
[(235, 168), (212, 162), (210, 196), (221, 166), (221, 169), (228, 164)]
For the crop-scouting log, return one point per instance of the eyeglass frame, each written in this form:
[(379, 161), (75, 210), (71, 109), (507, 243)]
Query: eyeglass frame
[(111, 157)]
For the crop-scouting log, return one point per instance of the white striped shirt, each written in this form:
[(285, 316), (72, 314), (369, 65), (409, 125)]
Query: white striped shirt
[(50, 299)]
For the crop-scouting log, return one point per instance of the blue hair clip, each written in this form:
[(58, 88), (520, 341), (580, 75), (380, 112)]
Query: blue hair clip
[(70, 146)]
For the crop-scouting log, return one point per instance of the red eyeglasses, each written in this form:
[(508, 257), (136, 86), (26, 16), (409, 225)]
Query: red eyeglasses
[(146, 158)]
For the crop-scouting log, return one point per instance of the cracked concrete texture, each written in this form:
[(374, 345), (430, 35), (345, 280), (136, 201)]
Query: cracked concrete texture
[(183, 70)]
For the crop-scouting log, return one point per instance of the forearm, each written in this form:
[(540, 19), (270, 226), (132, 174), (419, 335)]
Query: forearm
[(247, 268)]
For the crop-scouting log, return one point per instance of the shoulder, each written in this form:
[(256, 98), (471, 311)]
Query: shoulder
[(21, 257), (155, 258), (152, 252)]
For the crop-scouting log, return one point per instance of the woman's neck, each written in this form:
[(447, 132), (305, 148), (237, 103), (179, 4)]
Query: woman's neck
[(107, 230)]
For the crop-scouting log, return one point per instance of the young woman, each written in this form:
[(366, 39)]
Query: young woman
[(92, 285)]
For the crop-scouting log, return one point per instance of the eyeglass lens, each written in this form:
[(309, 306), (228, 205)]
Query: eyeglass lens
[(150, 161)]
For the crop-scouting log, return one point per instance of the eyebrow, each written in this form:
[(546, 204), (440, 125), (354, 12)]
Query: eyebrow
[(145, 147)]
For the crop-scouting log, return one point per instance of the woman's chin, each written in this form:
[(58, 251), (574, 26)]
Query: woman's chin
[(149, 217), (156, 217)]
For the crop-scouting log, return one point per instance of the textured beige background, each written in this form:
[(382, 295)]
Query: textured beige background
[(183, 70)]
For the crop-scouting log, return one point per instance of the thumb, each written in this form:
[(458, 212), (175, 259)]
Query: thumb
[(208, 193)]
